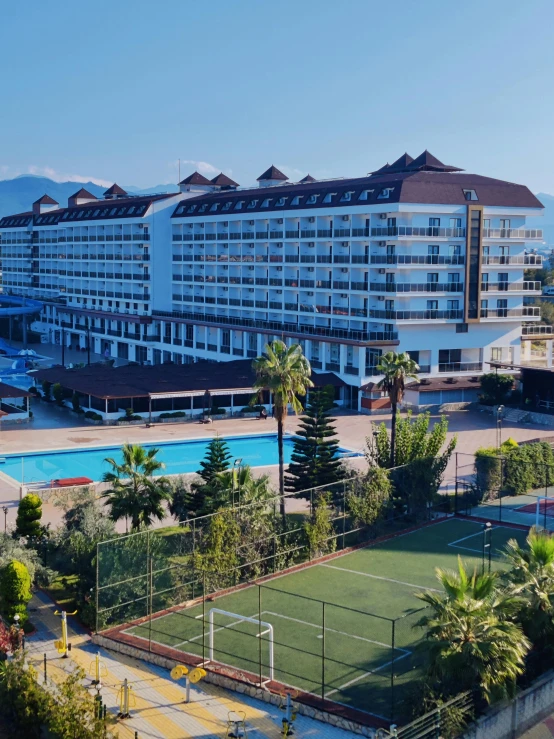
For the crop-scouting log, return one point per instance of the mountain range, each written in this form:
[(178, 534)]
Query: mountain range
[(18, 194)]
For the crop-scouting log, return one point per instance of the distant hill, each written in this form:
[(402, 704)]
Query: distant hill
[(18, 195), (546, 221)]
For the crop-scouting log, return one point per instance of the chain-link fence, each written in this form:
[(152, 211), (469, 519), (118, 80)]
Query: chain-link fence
[(503, 489)]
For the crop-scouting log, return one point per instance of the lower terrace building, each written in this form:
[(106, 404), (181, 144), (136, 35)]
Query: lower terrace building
[(418, 256)]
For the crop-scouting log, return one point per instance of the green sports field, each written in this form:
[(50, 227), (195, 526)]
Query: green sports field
[(343, 629)]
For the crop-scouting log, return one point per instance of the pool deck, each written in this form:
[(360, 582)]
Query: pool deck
[(53, 429)]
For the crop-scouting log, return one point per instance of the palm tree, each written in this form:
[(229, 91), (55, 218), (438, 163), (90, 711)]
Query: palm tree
[(471, 636), (396, 368), (285, 372), (531, 576), (244, 486), (135, 493)]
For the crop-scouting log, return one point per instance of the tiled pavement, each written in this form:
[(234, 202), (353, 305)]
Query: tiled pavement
[(544, 730), (159, 709)]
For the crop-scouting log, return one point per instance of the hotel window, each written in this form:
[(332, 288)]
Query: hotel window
[(311, 200), (453, 304), (191, 209), (252, 203), (470, 195), (346, 196), (496, 353), (214, 207), (454, 277), (266, 202), (454, 250), (432, 277), (502, 280), (328, 198), (227, 205), (280, 203), (389, 305), (239, 204), (502, 308), (203, 208), (432, 305), (385, 193), (504, 223), (486, 223), (434, 225)]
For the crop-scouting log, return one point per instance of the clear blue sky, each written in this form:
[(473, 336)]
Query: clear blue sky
[(120, 90)]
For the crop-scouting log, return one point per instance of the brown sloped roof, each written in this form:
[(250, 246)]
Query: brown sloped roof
[(221, 180), (272, 174), (45, 200), (134, 381), (9, 391), (195, 179), (308, 178), (82, 193), (115, 190)]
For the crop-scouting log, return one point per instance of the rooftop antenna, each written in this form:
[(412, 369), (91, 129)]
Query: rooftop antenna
[(179, 180)]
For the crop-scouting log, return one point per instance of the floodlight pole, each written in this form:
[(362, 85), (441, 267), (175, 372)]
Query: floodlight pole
[(487, 544)]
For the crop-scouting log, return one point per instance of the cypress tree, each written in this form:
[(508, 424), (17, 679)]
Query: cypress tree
[(314, 459), (216, 460)]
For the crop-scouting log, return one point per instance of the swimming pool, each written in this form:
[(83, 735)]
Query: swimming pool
[(179, 457)]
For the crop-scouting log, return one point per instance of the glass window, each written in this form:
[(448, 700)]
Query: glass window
[(453, 304), (432, 304), (432, 249), (432, 277), (455, 223), (434, 222)]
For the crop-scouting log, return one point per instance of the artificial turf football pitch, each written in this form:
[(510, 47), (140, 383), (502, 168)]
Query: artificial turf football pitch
[(347, 650)]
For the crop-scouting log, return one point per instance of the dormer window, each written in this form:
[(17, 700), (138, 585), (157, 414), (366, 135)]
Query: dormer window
[(312, 200), (296, 199), (384, 194), (141, 209), (239, 204), (203, 208), (470, 195), (121, 211), (364, 195), (227, 205), (214, 207), (280, 203), (329, 197), (131, 210), (191, 209), (65, 216), (266, 202), (346, 196), (252, 203), (113, 211)]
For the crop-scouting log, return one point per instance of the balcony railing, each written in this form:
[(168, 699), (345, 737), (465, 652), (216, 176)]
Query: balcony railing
[(512, 233), (511, 286), (526, 312), (539, 329), (417, 259), (435, 232), (280, 326), (527, 260), (416, 287), (461, 367), (416, 315)]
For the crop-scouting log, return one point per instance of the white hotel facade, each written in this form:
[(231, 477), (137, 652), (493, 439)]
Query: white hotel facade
[(416, 257)]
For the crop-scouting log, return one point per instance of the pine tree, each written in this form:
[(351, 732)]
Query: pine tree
[(314, 459), (216, 460)]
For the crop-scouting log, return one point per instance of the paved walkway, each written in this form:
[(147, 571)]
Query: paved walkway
[(544, 730), (159, 711)]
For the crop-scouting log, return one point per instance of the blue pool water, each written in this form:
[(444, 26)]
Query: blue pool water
[(179, 457)]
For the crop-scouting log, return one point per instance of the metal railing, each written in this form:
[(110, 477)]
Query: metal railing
[(435, 232), (512, 233)]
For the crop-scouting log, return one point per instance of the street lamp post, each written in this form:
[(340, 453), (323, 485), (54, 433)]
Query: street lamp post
[(236, 478), (499, 413), (5, 510)]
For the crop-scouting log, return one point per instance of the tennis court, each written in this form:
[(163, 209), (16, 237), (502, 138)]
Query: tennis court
[(343, 629)]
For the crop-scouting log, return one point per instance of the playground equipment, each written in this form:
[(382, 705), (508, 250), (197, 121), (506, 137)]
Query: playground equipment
[(236, 724), (62, 645), (126, 700), (98, 670), (195, 676), (289, 718)]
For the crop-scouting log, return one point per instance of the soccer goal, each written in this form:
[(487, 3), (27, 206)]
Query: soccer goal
[(544, 508), (266, 629)]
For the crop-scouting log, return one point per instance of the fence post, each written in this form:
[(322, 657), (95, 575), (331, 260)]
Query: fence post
[(97, 580), (260, 631), (344, 514), (204, 617), (150, 601), (45, 674), (323, 650), (456, 487), (393, 648)]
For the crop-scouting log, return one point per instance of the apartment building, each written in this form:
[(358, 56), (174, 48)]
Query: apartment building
[(417, 256)]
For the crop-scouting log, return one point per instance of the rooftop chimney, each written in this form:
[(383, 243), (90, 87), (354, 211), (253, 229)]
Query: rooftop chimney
[(44, 204)]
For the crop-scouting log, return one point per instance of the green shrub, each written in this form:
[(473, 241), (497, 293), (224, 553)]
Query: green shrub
[(29, 513), (15, 591), (215, 411), (75, 401), (252, 408), (93, 416), (57, 392), (131, 417), (46, 388), (495, 388), (174, 414)]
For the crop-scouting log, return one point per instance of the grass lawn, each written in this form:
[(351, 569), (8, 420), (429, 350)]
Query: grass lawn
[(332, 623), (62, 590)]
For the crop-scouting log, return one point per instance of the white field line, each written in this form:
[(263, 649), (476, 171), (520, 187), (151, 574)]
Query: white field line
[(380, 577), (335, 631), (219, 628), (365, 674), (455, 544)]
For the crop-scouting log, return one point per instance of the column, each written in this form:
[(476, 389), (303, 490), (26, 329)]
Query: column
[(342, 357), (548, 352), (526, 351), (434, 361)]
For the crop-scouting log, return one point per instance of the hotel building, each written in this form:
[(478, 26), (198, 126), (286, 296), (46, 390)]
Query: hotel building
[(417, 256)]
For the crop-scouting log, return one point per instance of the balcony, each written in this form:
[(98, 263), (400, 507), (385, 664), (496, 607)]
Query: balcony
[(416, 287), (342, 233), (512, 233), (307, 234), (533, 286), (461, 367), (276, 235), (349, 370), (526, 260), (324, 233), (332, 366), (412, 259), (526, 312), (280, 327), (538, 331), (417, 315), (360, 232), (418, 231)]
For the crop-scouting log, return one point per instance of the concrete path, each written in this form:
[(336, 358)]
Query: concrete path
[(158, 711)]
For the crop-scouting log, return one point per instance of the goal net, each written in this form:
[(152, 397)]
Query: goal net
[(263, 631)]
